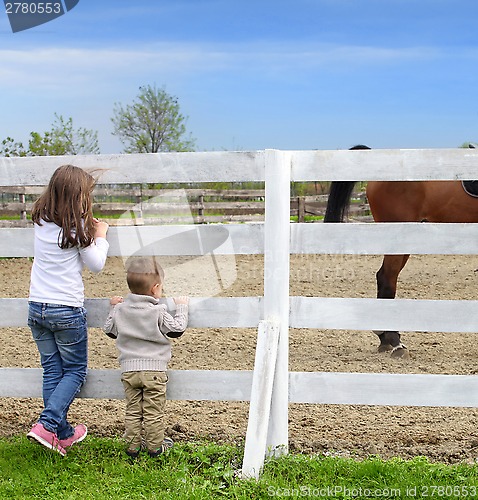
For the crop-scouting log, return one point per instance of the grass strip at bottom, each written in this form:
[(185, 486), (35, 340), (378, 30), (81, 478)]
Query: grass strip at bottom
[(98, 468)]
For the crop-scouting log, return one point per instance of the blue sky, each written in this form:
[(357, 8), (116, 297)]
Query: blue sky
[(254, 74)]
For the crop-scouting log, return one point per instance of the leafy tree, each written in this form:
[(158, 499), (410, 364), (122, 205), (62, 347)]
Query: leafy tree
[(10, 147), (152, 123), (62, 139)]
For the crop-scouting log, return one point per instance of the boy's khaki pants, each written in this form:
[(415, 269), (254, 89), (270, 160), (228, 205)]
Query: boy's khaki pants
[(145, 393)]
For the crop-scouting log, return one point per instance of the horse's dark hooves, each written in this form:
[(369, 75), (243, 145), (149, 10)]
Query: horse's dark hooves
[(395, 352), (390, 342), (400, 353)]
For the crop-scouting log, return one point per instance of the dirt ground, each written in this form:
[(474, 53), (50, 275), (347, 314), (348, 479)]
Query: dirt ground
[(442, 434)]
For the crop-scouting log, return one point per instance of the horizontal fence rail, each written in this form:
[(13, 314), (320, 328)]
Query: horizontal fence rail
[(385, 165), (248, 239), (304, 387), (190, 240), (217, 385), (394, 238), (144, 168), (225, 166), (234, 312), (305, 312)]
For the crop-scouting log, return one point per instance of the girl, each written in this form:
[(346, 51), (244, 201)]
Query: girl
[(67, 238)]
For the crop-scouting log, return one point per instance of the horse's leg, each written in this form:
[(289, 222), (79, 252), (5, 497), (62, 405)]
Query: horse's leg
[(387, 277)]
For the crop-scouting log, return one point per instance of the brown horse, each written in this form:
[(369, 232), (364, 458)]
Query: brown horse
[(403, 201)]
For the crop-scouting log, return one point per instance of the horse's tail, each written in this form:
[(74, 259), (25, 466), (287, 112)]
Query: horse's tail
[(339, 201), (339, 197)]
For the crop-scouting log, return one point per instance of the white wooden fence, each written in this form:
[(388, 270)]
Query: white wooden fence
[(271, 386)]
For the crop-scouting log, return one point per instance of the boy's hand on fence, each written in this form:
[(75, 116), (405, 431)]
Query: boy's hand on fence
[(181, 300), (116, 299), (101, 228)]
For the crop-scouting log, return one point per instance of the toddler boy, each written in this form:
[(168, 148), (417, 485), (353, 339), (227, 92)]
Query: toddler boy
[(142, 328)]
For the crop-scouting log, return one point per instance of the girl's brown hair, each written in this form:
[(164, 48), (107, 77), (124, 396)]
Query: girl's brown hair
[(67, 202)]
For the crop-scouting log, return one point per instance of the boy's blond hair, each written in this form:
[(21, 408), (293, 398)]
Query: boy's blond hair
[(142, 273)]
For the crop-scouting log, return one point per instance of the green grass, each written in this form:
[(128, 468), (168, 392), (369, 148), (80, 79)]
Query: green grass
[(13, 217), (98, 469), (307, 218)]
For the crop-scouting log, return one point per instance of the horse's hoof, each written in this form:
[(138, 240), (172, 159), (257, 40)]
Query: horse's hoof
[(400, 353), (384, 348)]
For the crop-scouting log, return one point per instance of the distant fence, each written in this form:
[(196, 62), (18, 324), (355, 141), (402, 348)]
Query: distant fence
[(172, 206), (271, 387)]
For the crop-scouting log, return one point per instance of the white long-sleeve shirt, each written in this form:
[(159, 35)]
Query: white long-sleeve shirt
[(56, 276)]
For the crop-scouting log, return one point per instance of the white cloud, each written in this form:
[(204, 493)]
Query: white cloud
[(53, 68)]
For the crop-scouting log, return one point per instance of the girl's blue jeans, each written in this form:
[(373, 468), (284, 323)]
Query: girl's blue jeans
[(60, 333)]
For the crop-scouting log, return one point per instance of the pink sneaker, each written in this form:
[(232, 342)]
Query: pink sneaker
[(46, 438), (80, 433)]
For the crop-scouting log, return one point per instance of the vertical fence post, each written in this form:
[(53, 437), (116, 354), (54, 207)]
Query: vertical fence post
[(301, 209), (200, 218), (23, 210), (261, 394), (201, 205), (276, 288)]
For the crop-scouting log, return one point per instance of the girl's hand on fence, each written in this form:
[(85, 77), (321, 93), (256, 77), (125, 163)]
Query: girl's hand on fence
[(181, 300), (101, 228), (116, 299)]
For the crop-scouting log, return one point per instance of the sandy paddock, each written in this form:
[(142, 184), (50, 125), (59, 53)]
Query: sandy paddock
[(445, 434)]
